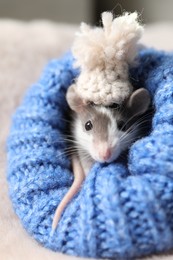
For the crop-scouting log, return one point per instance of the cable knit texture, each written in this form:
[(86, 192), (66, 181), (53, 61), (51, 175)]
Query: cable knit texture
[(121, 212)]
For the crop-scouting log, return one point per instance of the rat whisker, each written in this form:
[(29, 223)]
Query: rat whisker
[(66, 153), (71, 141), (64, 119), (145, 116), (82, 151), (134, 128), (148, 114), (65, 141), (70, 150), (139, 122), (63, 155), (86, 157), (67, 150), (129, 141), (126, 140)]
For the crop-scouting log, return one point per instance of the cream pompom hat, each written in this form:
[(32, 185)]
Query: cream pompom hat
[(103, 55)]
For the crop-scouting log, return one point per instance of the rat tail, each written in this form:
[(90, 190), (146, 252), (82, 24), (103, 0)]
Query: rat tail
[(78, 180)]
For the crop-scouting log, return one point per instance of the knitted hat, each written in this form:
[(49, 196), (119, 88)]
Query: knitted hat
[(103, 54)]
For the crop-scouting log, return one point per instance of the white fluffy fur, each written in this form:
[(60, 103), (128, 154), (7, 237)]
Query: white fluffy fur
[(103, 54), (104, 47)]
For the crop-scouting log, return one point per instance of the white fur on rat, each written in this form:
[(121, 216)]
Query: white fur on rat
[(102, 134)]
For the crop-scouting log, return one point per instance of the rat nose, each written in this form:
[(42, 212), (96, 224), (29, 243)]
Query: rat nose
[(105, 154)]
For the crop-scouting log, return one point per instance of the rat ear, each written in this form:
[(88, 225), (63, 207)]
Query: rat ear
[(74, 101), (138, 102)]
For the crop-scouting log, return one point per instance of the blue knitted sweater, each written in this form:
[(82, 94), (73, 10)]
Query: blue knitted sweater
[(122, 211)]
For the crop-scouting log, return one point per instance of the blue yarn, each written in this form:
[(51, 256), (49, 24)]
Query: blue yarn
[(121, 212)]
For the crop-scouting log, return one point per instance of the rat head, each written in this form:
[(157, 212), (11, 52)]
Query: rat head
[(105, 132)]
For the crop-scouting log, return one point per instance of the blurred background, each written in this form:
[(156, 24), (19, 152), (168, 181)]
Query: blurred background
[(75, 11)]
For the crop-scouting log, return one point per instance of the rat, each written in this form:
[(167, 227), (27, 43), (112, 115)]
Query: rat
[(100, 133)]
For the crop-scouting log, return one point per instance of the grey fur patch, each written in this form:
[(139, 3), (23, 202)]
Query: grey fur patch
[(100, 120)]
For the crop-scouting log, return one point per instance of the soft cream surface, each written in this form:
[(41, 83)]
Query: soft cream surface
[(25, 48)]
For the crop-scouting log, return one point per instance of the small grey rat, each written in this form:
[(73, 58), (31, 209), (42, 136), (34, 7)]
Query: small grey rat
[(100, 134)]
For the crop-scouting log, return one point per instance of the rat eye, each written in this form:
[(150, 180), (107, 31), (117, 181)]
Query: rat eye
[(88, 125), (91, 103), (115, 106)]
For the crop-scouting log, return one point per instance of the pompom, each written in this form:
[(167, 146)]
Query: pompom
[(114, 42)]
